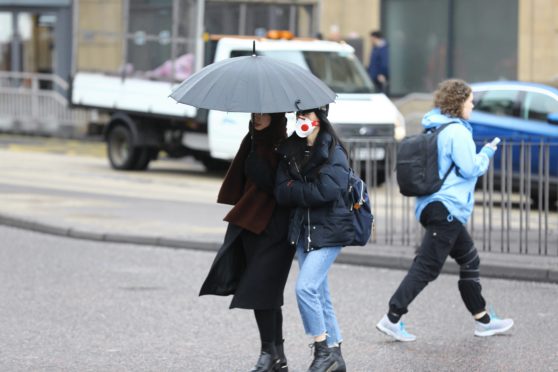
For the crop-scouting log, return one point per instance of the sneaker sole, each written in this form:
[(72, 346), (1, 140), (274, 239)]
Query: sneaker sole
[(493, 332), (387, 332)]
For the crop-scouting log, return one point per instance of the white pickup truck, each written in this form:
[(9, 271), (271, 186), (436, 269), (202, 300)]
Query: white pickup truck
[(144, 120)]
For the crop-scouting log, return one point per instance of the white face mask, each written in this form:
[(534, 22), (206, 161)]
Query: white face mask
[(291, 123), (305, 127)]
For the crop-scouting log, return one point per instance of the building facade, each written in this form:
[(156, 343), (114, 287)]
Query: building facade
[(430, 40), (476, 40)]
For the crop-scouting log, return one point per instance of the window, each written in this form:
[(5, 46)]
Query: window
[(149, 39), (537, 106), (342, 72), (431, 40), (416, 66), (499, 102), (5, 41), (261, 17), (484, 48), (222, 18), (257, 17), (153, 51)]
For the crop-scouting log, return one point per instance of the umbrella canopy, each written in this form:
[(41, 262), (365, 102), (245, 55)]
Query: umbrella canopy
[(253, 84)]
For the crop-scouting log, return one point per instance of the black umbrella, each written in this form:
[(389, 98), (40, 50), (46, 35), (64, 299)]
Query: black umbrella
[(253, 84)]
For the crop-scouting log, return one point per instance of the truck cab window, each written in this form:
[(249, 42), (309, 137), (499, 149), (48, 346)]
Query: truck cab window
[(341, 72)]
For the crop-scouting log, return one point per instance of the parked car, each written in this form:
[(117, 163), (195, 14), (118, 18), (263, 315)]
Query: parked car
[(525, 114)]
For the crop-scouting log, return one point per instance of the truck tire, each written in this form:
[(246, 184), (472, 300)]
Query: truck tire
[(146, 154), (122, 153)]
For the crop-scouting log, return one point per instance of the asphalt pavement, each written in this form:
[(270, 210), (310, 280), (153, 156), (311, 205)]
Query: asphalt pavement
[(77, 305), (87, 286)]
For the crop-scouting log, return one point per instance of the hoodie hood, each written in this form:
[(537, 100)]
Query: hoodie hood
[(435, 118)]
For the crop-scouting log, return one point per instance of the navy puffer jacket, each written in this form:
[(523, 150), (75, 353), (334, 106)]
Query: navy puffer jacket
[(316, 192)]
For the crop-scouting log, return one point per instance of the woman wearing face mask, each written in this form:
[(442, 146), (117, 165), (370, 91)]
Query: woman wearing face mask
[(312, 179), (255, 259)]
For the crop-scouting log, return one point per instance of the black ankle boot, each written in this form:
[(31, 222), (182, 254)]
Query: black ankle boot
[(324, 360), (267, 362), (282, 365), (336, 351)]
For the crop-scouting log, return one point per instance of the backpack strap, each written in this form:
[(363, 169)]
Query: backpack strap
[(448, 172), (438, 130)]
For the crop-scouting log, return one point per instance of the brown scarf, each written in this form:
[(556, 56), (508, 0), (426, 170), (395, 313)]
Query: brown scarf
[(253, 207)]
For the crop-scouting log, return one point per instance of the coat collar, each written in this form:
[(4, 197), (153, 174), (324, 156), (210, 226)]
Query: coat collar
[(321, 146), (294, 144), (320, 151)]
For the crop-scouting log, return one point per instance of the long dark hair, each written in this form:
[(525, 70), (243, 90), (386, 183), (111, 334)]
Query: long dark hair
[(274, 134), (326, 126)]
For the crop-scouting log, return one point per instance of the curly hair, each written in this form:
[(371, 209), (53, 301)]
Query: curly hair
[(451, 95)]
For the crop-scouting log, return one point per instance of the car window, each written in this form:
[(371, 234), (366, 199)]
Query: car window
[(499, 102), (477, 96), (537, 106)]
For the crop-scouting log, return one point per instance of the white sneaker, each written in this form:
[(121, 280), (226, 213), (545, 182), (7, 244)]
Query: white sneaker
[(496, 325), (395, 330)]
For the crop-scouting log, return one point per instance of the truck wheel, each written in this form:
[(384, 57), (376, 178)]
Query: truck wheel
[(146, 154), (121, 151)]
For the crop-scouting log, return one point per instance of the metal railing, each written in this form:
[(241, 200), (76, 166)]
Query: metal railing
[(36, 103), (515, 201)]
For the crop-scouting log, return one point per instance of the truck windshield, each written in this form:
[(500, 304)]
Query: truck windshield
[(341, 71)]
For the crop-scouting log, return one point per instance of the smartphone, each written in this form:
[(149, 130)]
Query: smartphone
[(495, 142)]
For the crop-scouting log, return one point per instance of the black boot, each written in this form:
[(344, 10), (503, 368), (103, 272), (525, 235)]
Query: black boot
[(281, 366), (324, 360), (267, 362), (336, 351)]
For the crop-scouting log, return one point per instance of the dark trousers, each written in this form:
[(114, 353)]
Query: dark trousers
[(381, 87), (444, 236), (270, 325)]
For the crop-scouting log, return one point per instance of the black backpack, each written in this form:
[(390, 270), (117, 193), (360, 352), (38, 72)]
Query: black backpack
[(417, 164), (360, 206)]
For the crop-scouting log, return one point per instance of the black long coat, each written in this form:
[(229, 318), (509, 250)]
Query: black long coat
[(253, 267)]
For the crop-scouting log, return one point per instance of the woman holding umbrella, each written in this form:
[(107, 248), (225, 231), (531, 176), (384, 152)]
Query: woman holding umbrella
[(312, 178), (254, 261)]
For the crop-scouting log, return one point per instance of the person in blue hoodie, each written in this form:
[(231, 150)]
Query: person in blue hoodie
[(444, 215)]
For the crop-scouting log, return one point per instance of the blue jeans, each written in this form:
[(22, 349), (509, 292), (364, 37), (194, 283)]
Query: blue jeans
[(312, 292)]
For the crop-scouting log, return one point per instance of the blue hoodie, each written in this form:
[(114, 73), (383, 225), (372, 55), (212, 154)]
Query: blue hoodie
[(455, 144)]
